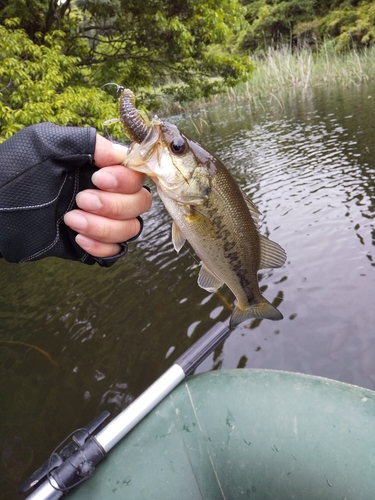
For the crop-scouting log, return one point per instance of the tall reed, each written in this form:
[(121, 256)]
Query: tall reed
[(278, 71)]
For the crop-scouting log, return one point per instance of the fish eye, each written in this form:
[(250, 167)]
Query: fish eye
[(178, 146)]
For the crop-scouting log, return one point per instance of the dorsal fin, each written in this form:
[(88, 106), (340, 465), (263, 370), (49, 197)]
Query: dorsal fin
[(253, 209), (271, 253)]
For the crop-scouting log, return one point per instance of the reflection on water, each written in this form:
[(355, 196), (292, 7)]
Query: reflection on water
[(109, 333)]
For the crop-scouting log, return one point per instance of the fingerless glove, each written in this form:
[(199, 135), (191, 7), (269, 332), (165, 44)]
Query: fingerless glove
[(42, 168)]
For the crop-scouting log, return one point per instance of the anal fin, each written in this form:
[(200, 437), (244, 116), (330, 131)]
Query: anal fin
[(208, 280)]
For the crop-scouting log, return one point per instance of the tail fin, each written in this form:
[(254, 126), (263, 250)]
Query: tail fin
[(262, 310)]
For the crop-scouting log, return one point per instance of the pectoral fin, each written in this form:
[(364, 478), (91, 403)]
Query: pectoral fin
[(202, 224), (178, 238), (208, 281), (271, 254)]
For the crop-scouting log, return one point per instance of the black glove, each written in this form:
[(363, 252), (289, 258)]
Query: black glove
[(42, 168)]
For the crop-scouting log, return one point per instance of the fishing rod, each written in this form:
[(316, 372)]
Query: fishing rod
[(76, 461)]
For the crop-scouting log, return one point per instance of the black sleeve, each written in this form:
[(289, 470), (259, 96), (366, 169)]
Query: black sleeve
[(42, 168)]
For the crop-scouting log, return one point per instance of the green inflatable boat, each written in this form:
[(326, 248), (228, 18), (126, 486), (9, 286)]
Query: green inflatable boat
[(241, 434)]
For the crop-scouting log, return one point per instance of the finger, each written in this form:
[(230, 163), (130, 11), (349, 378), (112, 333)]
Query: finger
[(97, 248), (108, 153), (114, 205), (101, 228), (118, 179)]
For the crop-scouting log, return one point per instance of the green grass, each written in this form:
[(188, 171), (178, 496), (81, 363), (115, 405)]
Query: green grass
[(279, 71)]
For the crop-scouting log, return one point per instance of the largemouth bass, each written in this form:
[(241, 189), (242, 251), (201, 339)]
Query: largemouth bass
[(210, 211)]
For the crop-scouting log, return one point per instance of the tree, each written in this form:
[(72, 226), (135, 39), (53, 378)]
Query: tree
[(272, 22), (144, 44), (35, 85), (350, 25)]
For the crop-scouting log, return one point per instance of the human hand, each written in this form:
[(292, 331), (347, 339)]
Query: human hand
[(107, 216)]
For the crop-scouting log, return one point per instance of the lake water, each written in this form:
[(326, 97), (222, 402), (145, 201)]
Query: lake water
[(104, 335)]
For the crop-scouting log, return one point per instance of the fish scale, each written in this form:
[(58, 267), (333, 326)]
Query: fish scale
[(224, 236)]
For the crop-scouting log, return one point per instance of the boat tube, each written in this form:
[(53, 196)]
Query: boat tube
[(245, 433), (234, 434)]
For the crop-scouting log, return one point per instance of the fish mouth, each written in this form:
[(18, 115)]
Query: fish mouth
[(146, 147), (140, 153)]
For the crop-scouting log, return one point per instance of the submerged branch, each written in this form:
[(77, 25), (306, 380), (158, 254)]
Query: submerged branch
[(42, 351)]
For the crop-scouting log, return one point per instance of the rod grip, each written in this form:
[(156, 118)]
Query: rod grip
[(203, 347)]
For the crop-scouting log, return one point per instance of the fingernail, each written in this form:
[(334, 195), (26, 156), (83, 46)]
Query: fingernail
[(76, 221), (88, 201), (84, 241), (104, 180)]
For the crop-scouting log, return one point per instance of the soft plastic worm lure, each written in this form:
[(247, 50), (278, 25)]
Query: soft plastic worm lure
[(131, 118)]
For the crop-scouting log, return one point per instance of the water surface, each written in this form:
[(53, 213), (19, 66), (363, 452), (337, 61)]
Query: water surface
[(106, 334)]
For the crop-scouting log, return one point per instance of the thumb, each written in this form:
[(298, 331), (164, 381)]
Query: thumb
[(108, 153)]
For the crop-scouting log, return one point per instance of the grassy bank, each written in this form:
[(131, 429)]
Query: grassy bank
[(280, 71)]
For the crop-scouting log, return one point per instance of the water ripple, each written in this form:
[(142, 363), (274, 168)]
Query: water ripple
[(310, 169)]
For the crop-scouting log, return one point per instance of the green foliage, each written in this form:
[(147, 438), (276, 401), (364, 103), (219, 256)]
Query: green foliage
[(139, 43), (275, 22), (350, 26), (167, 44), (35, 85), (272, 22), (57, 55), (38, 17)]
